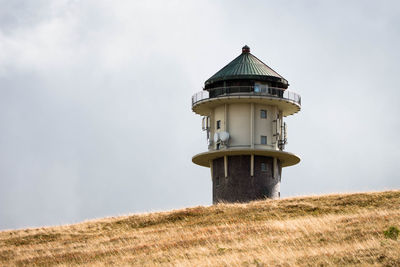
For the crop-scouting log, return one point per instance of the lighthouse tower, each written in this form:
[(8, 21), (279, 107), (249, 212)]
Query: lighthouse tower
[(243, 107)]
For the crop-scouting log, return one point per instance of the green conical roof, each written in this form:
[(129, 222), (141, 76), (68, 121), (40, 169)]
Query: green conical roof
[(246, 66)]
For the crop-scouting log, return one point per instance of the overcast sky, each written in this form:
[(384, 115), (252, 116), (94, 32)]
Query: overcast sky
[(95, 99)]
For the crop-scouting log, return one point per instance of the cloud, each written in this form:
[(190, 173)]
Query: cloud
[(95, 115)]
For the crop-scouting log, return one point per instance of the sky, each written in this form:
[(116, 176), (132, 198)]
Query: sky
[(95, 100)]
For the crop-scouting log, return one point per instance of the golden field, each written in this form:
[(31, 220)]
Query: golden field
[(330, 230)]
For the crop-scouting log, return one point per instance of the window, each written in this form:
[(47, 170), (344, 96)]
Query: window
[(218, 146), (218, 124), (217, 180), (263, 167), (263, 114), (263, 140)]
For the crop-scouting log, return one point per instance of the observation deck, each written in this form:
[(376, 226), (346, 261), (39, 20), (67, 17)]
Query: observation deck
[(287, 101)]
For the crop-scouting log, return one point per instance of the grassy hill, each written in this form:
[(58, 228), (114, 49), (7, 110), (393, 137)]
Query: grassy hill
[(331, 230)]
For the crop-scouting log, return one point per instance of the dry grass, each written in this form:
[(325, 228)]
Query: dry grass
[(327, 230)]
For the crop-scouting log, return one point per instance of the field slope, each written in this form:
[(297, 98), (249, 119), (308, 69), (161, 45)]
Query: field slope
[(331, 230)]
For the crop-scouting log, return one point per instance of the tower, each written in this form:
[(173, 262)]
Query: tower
[(243, 107)]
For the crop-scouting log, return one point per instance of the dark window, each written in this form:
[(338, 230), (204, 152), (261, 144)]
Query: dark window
[(218, 124), (263, 114), (218, 146), (263, 140), (217, 180), (263, 167)]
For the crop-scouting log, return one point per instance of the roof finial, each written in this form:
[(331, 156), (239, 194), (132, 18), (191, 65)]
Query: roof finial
[(245, 49)]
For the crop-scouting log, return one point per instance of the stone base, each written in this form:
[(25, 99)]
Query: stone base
[(239, 185)]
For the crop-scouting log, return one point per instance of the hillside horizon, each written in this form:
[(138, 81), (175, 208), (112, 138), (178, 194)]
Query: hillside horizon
[(327, 230)]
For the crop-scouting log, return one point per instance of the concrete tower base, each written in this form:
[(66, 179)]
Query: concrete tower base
[(232, 180)]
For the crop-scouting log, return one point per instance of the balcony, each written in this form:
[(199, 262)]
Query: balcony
[(247, 91)]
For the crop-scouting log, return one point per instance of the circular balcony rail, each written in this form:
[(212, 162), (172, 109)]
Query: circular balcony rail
[(247, 91)]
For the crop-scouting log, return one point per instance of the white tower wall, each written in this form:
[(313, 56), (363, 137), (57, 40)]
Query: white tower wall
[(245, 126)]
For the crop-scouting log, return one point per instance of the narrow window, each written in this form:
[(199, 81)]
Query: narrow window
[(218, 146), (263, 167), (263, 114), (217, 180), (263, 140), (218, 124)]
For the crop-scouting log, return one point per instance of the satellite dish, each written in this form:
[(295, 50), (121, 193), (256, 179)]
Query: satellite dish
[(224, 136), (216, 137)]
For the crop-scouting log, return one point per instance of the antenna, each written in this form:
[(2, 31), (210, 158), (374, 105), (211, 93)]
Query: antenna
[(283, 137), (205, 123), (285, 131)]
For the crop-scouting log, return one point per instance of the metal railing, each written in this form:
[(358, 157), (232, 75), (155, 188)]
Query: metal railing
[(256, 90)]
